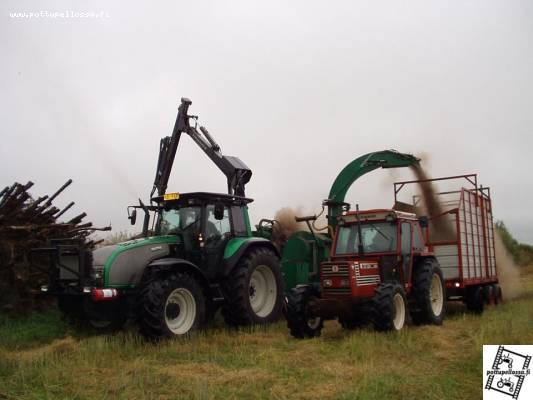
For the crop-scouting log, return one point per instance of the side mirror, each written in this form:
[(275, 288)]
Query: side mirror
[(423, 221), (133, 217), (219, 211)]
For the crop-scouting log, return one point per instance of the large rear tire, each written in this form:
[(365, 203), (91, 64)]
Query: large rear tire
[(429, 293), (170, 305), (254, 290), (389, 307), (299, 321)]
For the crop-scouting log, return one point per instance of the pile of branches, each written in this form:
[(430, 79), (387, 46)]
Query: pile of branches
[(27, 223)]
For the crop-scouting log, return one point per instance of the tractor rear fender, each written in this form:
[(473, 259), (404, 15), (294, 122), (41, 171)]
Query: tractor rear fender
[(177, 264), (238, 247)]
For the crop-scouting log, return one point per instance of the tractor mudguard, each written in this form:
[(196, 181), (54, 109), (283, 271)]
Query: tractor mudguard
[(237, 247), (176, 263)]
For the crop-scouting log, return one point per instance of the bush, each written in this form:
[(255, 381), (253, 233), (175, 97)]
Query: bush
[(522, 253)]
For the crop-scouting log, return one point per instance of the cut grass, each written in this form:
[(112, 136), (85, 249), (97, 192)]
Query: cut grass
[(42, 358)]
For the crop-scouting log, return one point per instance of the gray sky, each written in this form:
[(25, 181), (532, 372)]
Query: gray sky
[(296, 89)]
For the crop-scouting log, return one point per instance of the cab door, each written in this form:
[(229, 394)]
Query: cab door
[(216, 234)]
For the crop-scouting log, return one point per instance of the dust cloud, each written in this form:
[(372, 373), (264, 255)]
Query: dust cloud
[(508, 271), (286, 225), (440, 228)]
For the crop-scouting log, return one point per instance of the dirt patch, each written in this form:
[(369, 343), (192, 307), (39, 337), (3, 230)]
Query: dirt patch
[(58, 347)]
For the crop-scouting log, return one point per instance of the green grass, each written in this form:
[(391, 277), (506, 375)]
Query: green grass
[(42, 358)]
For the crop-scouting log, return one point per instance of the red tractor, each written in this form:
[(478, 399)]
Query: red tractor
[(379, 262), (386, 264)]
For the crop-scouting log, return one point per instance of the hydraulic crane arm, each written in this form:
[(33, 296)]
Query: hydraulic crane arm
[(356, 169), (237, 173)]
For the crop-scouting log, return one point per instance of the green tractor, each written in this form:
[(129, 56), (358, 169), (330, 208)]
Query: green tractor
[(197, 253)]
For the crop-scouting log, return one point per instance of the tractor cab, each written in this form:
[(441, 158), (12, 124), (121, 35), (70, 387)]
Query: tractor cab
[(203, 223), (371, 247)]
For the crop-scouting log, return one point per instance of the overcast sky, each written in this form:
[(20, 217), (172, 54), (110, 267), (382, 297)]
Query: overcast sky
[(296, 89)]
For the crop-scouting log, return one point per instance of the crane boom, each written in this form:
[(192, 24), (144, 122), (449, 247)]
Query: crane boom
[(236, 172)]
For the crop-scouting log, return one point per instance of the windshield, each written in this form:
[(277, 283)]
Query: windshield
[(174, 221), (377, 238)]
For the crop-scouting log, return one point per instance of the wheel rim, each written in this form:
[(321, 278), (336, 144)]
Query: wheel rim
[(399, 311), (263, 291), (314, 323), (180, 311), (436, 295)]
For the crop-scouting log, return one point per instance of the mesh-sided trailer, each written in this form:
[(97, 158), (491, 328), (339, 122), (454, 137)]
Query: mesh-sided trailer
[(460, 233)]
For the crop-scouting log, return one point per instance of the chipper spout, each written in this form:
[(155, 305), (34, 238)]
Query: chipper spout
[(357, 168)]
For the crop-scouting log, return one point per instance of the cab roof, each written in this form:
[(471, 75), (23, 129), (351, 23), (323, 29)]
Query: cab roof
[(377, 214), (199, 198)]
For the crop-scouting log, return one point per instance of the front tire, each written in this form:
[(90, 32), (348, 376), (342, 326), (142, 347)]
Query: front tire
[(254, 290), (299, 321), (389, 307), (429, 293), (170, 305)]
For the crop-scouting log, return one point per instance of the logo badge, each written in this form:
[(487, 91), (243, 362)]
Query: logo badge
[(334, 268), (507, 372)]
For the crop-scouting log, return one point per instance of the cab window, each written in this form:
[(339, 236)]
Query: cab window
[(215, 227)]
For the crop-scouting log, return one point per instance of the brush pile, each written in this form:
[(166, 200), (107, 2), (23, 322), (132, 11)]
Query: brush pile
[(27, 223)]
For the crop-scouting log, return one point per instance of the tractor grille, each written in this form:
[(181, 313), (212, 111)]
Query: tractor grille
[(340, 270), (336, 272)]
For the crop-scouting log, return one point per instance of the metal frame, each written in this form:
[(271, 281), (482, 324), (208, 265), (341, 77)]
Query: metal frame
[(478, 198)]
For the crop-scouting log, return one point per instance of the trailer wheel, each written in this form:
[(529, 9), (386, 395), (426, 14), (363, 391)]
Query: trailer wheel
[(497, 290), (488, 295), (170, 305), (429, 293), (475, 301), (300, 323), (254, 290), (389, 307)]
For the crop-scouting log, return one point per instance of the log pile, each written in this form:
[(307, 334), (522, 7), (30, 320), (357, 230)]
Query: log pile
[(26, 223)]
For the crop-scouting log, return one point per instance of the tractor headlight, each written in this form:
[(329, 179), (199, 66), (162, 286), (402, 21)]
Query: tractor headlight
[(327, 283)]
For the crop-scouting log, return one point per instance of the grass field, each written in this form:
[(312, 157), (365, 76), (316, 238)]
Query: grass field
[(42, 358)]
